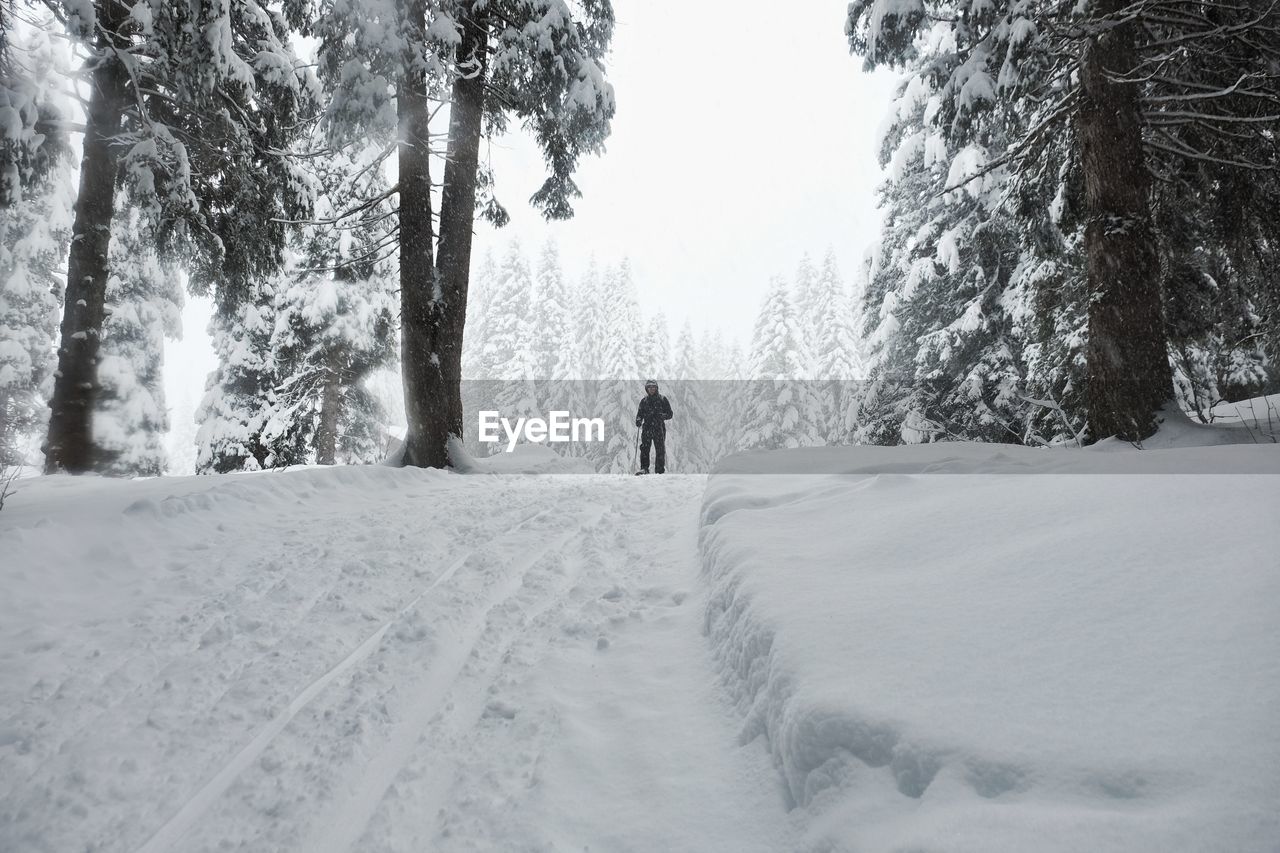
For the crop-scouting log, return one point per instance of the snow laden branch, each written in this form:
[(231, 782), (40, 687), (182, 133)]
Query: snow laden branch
[(1023, 130), (189, 106)]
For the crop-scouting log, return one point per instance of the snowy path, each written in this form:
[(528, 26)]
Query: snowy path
[(414, 661)]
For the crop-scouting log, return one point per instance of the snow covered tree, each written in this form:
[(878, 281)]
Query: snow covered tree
[(555, 337), (297, 383), (511, 353), (331, 332), (1222, 257), (1112, 91), (33, 238), (35, 229), (32, 135), (693, 400), (837, 356), (190, 105), (941, 358), (479, 311), (617, 394), (735, 365), (557, 343), (509, 346), (655, 351), (335, 317), (810, 302), (622, 332), (387, 64), (589, 317), (780, 406), (144, 295), (713, 357), (237, 431), (33, 234)]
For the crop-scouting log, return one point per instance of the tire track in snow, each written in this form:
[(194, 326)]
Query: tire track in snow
[(173, 829), (345, 828)]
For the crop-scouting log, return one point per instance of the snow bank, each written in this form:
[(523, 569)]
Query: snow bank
[(1260, 416), (986, 662)]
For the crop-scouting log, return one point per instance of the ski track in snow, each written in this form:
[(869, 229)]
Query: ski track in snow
[(187, 815), (477, 665)]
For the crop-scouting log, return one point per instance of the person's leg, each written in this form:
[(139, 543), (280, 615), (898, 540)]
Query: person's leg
[(660, 453), (645, 438)]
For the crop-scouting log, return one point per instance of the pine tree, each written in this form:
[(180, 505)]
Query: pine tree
[(942, 358), (837, 357), (535, 60), (477, 393), (237, 430), (33, 237), (617, 392), (555, 338), (557, 343), (690, 398), (1090, 98), (779, 402), (191, 123), (35, 229), (656, 351), (509, 352), (622, 330), (589, 318), (736, 393), (292, 385), (330, 334), (737, 365), (713, 357), (810, 305), (144, 305), (479, 311), (335, 319), (33, 141)]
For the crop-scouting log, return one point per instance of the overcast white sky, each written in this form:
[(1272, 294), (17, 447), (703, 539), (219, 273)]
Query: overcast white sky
[(743, 139)]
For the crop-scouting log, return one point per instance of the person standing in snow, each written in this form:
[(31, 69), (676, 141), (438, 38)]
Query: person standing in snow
[(651, 419)]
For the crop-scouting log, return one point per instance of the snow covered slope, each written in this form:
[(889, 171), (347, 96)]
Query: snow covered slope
[(396, 661), (972, 648), (365, 659)]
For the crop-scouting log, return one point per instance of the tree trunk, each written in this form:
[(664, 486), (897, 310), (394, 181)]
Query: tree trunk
[(330, 409), (437, 412), (417, 269), (69, 445), (1128, 361)]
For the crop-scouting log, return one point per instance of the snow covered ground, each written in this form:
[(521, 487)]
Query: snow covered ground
[(967, 648), (365, 659), (373, 659)]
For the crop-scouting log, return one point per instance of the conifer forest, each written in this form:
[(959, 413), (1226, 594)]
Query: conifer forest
[(1064, 250)]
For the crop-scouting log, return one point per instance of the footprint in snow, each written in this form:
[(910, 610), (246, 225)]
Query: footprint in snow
[(498, 708)]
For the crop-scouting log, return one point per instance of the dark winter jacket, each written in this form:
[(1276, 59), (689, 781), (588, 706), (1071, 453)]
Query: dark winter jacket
[(654, 412)]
